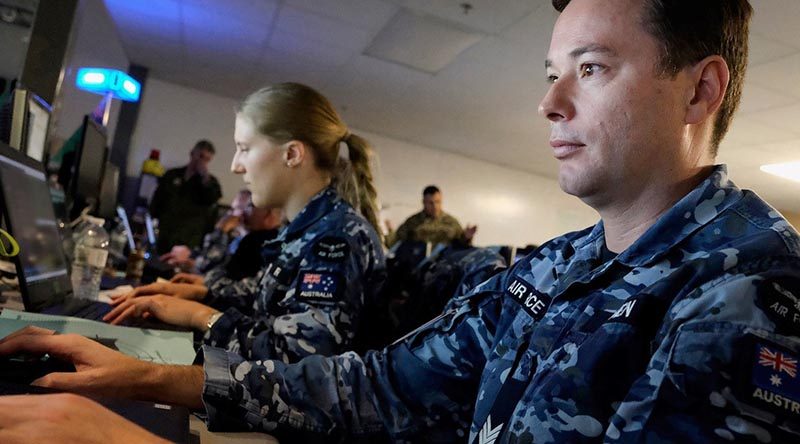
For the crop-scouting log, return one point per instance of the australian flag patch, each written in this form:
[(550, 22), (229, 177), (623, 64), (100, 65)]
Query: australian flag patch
[(774, 378), (319, 286)]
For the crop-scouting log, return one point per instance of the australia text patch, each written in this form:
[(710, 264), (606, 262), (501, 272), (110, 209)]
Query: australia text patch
[(333, 249), (320, 286), (532, 301), (774, 381)]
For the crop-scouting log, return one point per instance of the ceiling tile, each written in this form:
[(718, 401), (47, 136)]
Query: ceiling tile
[(756, 98), (777, 20), (784, 118), (488, 16), (779, 74), (314, 28), (367, 14), (762, 50)]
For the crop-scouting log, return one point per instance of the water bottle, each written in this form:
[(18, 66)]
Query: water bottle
[(91, 253)]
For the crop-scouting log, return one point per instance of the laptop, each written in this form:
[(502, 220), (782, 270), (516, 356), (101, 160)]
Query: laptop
[(45, 286), (42, 267)]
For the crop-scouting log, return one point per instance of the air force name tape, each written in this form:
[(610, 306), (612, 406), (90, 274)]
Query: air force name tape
[(532, 301)]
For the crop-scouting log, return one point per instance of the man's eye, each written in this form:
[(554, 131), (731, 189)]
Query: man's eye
[(552, 78), (589, 69)]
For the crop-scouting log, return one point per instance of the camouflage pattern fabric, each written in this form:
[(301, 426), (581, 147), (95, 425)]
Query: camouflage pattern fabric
[(444, 229), (689, 335), (213, 252), (319, 271)]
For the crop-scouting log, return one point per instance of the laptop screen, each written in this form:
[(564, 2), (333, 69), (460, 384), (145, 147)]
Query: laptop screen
[(29, 217)]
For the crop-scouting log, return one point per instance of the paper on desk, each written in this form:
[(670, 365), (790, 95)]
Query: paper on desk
[(160, 346)]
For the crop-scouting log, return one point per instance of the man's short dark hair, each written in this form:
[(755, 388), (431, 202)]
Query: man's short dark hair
[(689, 31), (430, 190), (204, 145)]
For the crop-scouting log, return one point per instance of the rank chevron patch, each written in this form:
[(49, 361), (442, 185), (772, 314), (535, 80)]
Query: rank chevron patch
[(488, 434)]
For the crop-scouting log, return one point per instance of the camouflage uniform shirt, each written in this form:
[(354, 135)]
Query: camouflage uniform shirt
[(420, 227), (689, 335), (319, 271)]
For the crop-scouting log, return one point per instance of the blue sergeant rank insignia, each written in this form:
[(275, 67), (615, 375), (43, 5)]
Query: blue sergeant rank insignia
[(320, 286), (774, 378)]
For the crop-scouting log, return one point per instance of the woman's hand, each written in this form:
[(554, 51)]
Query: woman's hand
[(192, 292), (173, 311), (188, 278)]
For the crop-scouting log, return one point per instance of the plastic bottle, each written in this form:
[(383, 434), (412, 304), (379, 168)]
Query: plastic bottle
[(91, 253)]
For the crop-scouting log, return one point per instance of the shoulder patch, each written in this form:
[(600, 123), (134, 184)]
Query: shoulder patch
[(319, 286), (780, 300), (772, 382), (332, 249), (534, 302)]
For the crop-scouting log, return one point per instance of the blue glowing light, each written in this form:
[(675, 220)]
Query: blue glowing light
[(104, 81)]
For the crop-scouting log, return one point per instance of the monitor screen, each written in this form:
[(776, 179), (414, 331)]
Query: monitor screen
[(106, 207), (91, 159), (29, 218), (38, 122)]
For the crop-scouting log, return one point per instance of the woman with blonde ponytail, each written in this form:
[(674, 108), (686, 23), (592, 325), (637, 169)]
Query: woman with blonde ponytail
[(325, 264)]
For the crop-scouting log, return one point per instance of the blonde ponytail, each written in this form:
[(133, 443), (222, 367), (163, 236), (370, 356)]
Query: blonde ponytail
[(354, 180)]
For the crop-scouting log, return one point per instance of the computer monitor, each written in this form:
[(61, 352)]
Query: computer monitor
[(106, 207), (81, 171), (30, 121), (29, 218)]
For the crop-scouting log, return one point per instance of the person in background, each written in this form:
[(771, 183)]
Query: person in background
[(671, 320), (326, 264), (216, 244), (185, 201), (431, 224)]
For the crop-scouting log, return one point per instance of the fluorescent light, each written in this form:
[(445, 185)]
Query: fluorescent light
[(786, 170)]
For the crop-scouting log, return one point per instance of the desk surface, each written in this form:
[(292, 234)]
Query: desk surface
[(197, 428)]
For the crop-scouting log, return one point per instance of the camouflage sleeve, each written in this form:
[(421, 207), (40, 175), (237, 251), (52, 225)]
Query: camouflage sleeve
[(347, 398), (725, 368), (214, 251), (319, 312), (224, 292)]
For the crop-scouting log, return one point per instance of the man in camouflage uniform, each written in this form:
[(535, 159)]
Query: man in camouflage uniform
[(688, 334), (431, 224)]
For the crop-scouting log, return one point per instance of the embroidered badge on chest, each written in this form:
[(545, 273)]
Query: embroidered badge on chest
[(332, 249), (319, 286), (781, 303), (534, 302)]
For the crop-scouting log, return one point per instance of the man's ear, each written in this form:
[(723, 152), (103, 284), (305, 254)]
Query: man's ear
[(295, 153), (710, 78)]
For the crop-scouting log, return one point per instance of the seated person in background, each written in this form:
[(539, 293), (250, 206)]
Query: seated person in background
[(325, 265), (234, 281), (431, 224), (229, 231), (185, 201), (672, 320)]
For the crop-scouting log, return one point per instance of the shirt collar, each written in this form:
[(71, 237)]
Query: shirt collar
[(692, 212), (320, 205)]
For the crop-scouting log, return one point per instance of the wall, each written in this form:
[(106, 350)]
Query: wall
[(509, 206), (95, 43)]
